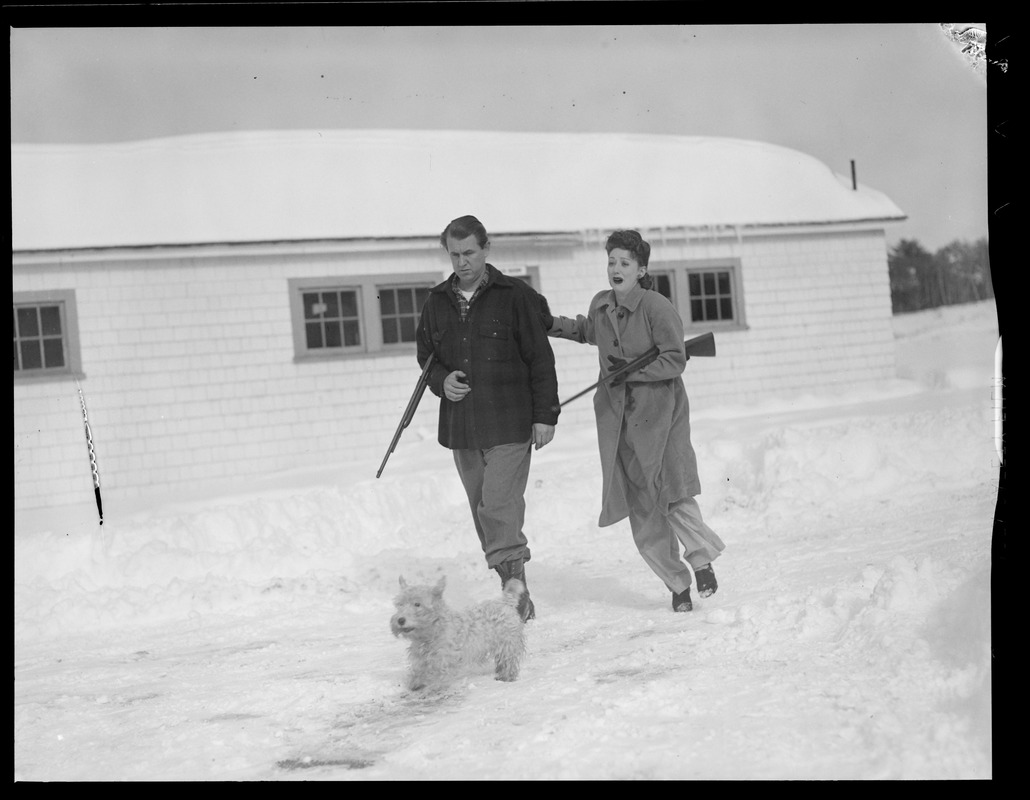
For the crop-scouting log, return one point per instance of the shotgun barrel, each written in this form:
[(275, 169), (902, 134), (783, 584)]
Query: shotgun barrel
[(703, 345), (409, 412)]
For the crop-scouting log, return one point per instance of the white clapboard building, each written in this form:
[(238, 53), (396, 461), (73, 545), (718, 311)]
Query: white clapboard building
[(235, 305)]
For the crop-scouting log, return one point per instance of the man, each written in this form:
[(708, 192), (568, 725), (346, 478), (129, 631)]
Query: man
[(498, 390)]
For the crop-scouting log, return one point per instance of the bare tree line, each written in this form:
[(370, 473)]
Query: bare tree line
[(959, 272)]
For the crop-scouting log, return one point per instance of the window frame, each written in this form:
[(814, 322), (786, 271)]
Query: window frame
[(370, 320), (66, 301), (679, 274), (391, 287), (528, 274), (303, 322)]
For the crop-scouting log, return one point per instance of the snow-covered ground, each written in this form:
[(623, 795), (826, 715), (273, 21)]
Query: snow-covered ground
[(245, 636)]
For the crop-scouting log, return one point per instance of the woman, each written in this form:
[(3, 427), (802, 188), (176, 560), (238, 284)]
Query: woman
[(643, 422)]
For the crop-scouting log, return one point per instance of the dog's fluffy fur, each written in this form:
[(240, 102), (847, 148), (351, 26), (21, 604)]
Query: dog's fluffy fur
[(442, 641)]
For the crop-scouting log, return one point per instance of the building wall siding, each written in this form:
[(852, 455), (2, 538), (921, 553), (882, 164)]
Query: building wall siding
[(817, 308), (190, 377)]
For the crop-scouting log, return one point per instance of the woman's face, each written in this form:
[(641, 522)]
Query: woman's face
[(624, 271)]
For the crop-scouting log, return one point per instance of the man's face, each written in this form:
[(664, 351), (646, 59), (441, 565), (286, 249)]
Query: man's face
[(468, 260)]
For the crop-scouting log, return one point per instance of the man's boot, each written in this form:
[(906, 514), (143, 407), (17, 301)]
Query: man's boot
[(515, 569)]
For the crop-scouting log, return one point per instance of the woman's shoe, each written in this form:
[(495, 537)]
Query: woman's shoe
[(706, 582), (681, 601)]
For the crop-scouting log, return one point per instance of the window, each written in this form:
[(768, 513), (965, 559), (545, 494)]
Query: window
[(331, 319), (399, 308), (335, 317), (46, 339), (706, 293), (711, 298), (663, 283), (529, 274)]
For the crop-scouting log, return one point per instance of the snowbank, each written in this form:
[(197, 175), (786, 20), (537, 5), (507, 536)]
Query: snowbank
[(246, 637)]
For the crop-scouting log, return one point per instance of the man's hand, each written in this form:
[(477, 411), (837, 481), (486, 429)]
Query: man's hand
[(456, 386), (542, 434)]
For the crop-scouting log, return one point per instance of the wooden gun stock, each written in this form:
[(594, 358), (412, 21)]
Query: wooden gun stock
[(703, 345)]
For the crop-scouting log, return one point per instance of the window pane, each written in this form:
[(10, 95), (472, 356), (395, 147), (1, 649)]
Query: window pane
[(312, 308), (53, 353), (51, 317), (407, 329), (30, 355), (709, 282), (314, 335), (711, 309), (348, 304), (390, 331), (351, 334), (726, 308), (16, 367), (332, 334), (696, 312), (405, 302), (27, 322), (387, 302), (663, 285), (421, 295), (724, 283), (332, 304), (694, 283)]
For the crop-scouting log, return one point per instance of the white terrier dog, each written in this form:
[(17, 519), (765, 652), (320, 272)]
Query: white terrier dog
[(443, 641)]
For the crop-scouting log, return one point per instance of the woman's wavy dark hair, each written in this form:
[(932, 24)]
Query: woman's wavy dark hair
[(637, 246)]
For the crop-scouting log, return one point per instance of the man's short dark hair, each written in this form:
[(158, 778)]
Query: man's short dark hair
[(462, 228)]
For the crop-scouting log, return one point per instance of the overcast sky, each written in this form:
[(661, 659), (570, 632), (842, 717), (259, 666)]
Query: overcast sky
[(899, 99)]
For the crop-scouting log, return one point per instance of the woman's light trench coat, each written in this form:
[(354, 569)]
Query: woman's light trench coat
[(650, 410)]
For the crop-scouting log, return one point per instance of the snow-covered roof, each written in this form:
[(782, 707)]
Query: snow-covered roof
[(260, 186)]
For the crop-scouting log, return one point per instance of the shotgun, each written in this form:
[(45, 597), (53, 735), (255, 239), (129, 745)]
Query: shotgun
[(409, 412), (703, 345)]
